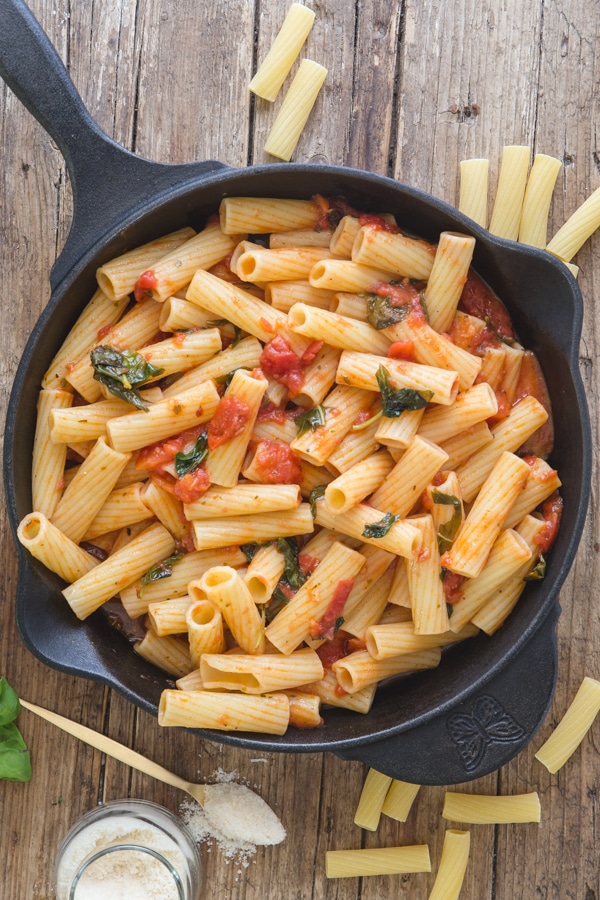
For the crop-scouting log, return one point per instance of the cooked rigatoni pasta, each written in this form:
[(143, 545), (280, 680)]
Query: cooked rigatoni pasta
[(475, 537), (117, 277), (259, 674), (294, 496), (447, 278), (224, 711), (225, 589), (394, 253), (49, 457)]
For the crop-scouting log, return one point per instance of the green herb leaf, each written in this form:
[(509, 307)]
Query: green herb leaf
[(538, 573), (123, 372), (396, 401), (15, 762), (447, 532), (316, 494), (219, 323), (310, 419), (225, 380), (381, 312), (162, 569), (249, 550), (381, 528), (189, 462), (9, 703), (292, 573), (338, 624)]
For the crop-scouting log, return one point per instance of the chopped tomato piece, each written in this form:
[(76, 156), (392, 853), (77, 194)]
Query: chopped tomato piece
[(552, 510), (334, 649), (325, 627), (281, 363), (154, 456), (276, 463), (146, 283), (229, 420), (192, 486), (404, 294), (402, 350)]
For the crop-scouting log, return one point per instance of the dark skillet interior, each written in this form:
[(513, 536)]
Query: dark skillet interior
[(545, 305)]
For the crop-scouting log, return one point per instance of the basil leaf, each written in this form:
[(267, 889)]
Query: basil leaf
[(316, 494), (447, 532), (225, 380), (310, 419), (396, 401), (277, 602), (381, 528), (9, 703), (162, 569), (237, 331), (15, 762), (538, 573), (292, 573), (188, 462), (122, 372), (381, 312), (249, 550)]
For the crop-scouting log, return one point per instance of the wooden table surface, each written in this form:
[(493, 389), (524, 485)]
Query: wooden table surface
[(413, 87)]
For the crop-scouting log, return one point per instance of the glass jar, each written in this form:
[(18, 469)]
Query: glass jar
[(128, 850)]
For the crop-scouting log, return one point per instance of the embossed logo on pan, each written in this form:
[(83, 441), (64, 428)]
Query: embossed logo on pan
[(488, 724)]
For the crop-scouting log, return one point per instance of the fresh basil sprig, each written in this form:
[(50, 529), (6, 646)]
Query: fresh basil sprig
[(310, 419), (447, 532), (381, 528), (163, 569), (396, 401), (15, 762), (189, 462), (122, 373)]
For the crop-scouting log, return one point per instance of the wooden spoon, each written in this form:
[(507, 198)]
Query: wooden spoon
[(272, 831)]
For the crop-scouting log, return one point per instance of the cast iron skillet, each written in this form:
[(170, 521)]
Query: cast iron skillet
[(490, 695)]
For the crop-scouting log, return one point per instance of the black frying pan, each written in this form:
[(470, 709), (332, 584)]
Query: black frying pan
[(490, 695)]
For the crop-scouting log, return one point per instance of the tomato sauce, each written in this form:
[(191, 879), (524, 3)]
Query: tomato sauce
[(453, 586), (378, 223), (155, 456), (229, 420), (532, 382), (279, 362), (479, 300)]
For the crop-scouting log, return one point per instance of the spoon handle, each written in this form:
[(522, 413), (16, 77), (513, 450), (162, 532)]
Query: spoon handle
[(109, 746)]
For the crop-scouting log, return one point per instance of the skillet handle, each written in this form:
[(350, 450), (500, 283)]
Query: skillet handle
[(481, 734), (107, 180)]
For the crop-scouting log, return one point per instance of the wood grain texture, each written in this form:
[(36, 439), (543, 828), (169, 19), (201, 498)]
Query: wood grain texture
[(412, 88)]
